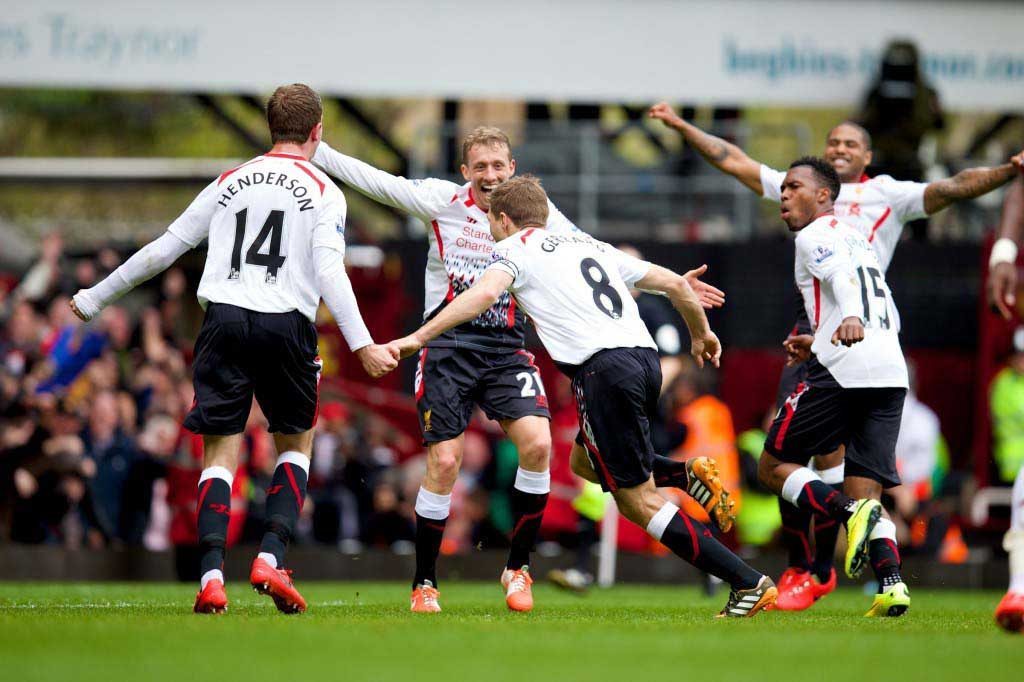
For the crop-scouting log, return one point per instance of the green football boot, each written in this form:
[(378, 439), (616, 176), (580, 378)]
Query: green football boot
[(892, 603), (858, 533)]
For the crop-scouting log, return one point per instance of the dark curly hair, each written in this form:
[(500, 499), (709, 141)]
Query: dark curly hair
[(823, 171)]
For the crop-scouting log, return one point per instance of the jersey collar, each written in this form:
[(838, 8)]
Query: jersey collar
[(282, 155)]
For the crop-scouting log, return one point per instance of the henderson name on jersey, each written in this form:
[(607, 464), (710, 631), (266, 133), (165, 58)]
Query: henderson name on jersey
[(839, 276), (576, 290), (264, 219), (460, 245)]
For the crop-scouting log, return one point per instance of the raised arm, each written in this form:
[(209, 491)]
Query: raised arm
[(969, 184), (151, 259), (704, 345), (185, 233), (1002, 264), (466, 306), (420, 198), (723, 155)]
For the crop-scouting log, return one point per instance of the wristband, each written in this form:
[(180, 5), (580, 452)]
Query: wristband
[(1003, 251)]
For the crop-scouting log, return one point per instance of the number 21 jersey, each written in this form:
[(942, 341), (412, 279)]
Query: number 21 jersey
[(263, 220), (576, 290), (839, 276)]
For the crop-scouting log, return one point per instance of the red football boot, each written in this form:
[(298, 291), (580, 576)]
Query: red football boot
[(821, 589), (796, 590), (1010, 612), (276, 582), (212, 598)]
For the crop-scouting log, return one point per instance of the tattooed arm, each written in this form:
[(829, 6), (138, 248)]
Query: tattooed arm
[(968, 184), (723, 155)]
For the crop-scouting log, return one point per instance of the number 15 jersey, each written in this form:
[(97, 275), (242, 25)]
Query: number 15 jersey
[(839, 276), (576, 290), (263, 220)]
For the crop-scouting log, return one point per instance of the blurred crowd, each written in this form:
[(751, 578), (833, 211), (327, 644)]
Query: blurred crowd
[(92, 452)]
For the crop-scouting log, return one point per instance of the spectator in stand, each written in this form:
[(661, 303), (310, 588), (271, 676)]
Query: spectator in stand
[(386, 526), (709, 430), (336, 508), (42, 278), (901, 108), (1007, 406), (157, 442), (114, 456), (759, 519)]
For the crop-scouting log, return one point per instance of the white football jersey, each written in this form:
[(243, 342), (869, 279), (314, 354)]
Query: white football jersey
[(460, 244), (576, 290), (263, 220), (877, 207), (839, 276)]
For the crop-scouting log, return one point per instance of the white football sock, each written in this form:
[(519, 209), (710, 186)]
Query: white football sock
[(795, 483), (214, 574)]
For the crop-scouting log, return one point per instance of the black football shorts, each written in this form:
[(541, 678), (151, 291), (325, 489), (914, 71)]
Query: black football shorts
[(450, 381), (617, 393), (816, 420), (241, 353)]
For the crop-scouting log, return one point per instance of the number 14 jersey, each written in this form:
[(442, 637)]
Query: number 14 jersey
[(263, 220), (839, 276), (576, 290)]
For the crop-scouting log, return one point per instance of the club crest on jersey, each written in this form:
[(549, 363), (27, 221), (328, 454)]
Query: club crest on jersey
[(821, 254)]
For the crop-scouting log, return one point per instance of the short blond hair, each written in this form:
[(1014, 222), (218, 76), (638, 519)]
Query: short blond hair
[(488, 136), (522, 199)]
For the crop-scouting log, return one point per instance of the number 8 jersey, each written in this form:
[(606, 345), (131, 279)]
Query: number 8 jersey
[(839, 276), (263, 220), (576, 290)]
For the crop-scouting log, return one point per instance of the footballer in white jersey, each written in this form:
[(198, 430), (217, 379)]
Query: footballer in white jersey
[(855, 387), (839, 276), (878, 208), (575, 316), (481, 362), (576, 290), (275, 229)]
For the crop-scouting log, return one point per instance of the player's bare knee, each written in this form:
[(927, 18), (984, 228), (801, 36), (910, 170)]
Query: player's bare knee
[(829, 461), (581, 466), (535, 453), (443, 467), (630, 504), (766, 469), (859, 487)]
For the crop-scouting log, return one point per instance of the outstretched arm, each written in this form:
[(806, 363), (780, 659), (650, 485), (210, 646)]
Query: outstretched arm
[(151, 259), (969, 184), (1002, 264), (466, 306), (704, 343), (723, 155), (422, 199), (336, 290)]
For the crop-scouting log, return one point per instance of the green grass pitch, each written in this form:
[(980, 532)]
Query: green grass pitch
[(363, 631)]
